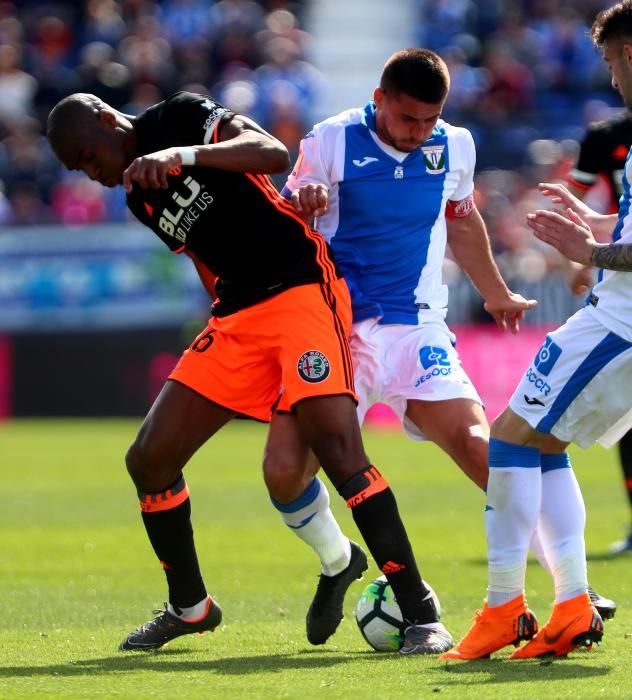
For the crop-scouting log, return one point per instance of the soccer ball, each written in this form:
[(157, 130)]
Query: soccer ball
[(379, 617)]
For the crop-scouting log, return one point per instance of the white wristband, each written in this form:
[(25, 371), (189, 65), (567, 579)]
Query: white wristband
[(187, 155)]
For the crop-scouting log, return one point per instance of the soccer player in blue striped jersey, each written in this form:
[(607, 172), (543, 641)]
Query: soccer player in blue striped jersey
[(602, 155), (391, 184), (580, 379)]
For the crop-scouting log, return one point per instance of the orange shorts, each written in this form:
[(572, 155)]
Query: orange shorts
[(296, 340)]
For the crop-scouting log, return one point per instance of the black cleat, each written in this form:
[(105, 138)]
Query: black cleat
[(426, 639), (325, 613), (165, 627), (605, 607)]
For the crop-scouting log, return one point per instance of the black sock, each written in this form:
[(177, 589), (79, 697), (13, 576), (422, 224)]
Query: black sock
[(625, 454), (167, 519), (375, 513)]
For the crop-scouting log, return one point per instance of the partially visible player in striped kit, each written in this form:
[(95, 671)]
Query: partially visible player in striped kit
[(576, 390)]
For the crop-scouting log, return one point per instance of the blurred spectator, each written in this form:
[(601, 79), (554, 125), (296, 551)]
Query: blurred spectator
[(26, 157), (100, 74), (509, 85), (194, 64), (50, 41), (27, 208), (143, 96), (77, 201), (245, 15), (17, 87), (467, 85), (103, 21), (187, 22), (237, 90), (148, 55), (442, 21), (287, 84), (282, 23)]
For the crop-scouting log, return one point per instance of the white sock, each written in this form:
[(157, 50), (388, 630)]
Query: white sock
[(311, 519), (193, 613), (511, 514), (562, 527), (537, 547)]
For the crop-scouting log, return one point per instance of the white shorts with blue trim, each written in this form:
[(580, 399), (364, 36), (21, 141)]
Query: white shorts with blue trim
[(394, 363), (579, 387)]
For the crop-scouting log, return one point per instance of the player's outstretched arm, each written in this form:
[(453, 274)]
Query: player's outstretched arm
[(601, 225), (243, 146), (469, 243)]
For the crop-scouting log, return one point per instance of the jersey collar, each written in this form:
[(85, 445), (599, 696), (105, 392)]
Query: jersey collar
[(368, 116)]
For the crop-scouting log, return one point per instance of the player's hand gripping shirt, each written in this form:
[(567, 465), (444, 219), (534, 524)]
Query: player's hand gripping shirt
[(610, 300), (236, 224), (386, 217)]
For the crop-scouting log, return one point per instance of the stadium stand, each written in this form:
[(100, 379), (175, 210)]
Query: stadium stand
[(525, 80)]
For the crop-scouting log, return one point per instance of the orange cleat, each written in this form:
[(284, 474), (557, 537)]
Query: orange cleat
[(495, 628), (574, 623)]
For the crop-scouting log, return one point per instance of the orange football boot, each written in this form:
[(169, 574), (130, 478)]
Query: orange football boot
[(495, 628), (574, 623)]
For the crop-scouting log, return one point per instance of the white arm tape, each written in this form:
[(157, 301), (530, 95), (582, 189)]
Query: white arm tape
[(187, 155)]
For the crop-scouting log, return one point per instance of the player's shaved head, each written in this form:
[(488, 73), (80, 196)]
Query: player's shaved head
[(613, 24), (72, 121), (89, 135), (418, 73)]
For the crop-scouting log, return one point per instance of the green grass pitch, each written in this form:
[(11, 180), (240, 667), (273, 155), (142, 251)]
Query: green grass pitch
[(78, 574)]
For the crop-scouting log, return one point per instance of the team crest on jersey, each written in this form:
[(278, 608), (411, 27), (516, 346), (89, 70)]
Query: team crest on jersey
[(434, 159), (313, 366), (399, 173)]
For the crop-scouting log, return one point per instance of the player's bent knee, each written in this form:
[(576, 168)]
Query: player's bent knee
[(285, 477), (136, 464), (148, 468)]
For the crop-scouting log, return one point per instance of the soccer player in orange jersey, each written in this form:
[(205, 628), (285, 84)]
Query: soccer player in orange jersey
[(195, 175)]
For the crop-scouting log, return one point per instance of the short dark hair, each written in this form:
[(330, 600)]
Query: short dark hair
[(418, 73), (613, 23), (69, 117)]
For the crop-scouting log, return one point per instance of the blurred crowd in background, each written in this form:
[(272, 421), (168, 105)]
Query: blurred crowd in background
[(133, 53), (525, 79)]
